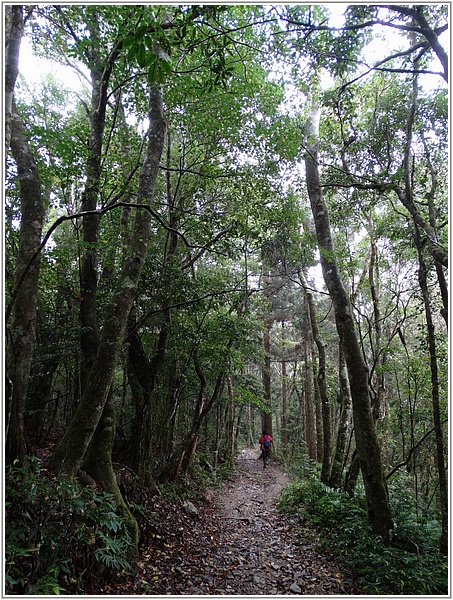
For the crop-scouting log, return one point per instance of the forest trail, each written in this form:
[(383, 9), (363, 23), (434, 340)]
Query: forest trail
[(238, 544)]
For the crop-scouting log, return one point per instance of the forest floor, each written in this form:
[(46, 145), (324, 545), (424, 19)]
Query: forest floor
[(237, 544)]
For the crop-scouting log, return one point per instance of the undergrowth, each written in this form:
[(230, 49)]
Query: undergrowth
[(59, 537), (342, 525), (193, 485)]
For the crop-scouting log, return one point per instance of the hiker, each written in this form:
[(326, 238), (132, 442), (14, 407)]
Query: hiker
[(265, 443)]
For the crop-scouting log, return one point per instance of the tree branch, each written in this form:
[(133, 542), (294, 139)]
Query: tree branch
[(100, 212), (411, 452)]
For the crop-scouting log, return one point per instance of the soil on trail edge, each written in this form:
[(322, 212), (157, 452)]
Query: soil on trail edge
[(236, 544)]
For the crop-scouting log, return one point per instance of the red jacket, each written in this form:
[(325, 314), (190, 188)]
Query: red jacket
[(261, 440)]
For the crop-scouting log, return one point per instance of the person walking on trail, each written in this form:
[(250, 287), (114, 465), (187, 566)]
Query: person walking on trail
[(265, 443)]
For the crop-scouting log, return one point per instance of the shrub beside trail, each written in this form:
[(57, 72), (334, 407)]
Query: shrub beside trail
[(411, 565)]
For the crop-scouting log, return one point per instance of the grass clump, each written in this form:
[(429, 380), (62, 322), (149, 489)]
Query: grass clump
[(411, 565)]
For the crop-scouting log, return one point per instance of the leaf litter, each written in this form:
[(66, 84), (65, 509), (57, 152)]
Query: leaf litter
[(237, 544)]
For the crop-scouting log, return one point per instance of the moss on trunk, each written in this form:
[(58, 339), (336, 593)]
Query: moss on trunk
[(367, 443), (98, 465)]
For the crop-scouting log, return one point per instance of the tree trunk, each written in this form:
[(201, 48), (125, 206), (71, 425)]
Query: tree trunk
[(14, 29), (366, 439), (343, 423), (180, 458), (229, 434), (443, 286), (88, 314), (352, 475), (443, 486), (98, 465), (322, 386), (266, 416), (72, 447), (182, 455), (39, 397), (284, 407), (153, 412), (308, 405), (378, 396), (21, 313), (408, 200), (138, 370), (318, 429)]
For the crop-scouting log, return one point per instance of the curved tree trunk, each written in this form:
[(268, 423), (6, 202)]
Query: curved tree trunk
[(366, 439), (98, 465)]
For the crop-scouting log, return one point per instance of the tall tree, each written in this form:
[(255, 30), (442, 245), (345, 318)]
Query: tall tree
[(22, 308), (366, 439), (344, 396), (307, 395), (322, 384), (71, 449), (266, 369), (423, 281)]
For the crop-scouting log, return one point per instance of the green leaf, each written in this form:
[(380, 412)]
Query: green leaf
[(149, 41), (140, 31), (129, 40), (142, 55)]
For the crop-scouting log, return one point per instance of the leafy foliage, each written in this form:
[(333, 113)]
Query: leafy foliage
[(59, 537), (381, 569), (230, 202)]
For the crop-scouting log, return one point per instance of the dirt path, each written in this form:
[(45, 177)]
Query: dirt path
[(266, 556), (237, 544)]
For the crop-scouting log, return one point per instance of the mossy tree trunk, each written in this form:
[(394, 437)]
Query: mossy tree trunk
[(21, 332), (72, 447), (98, 465), (21, 311), (368, 449)]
